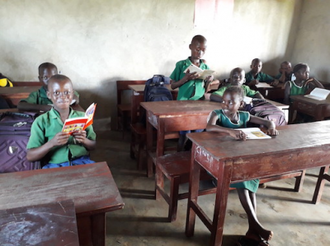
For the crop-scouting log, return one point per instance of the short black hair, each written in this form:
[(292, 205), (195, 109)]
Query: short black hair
[(198, 38), (255, 60), (57, 78), (299, 66), (45, 65), (235, 90)]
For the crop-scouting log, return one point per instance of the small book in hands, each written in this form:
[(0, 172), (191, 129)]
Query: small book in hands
[(80, 123), (203, 74), (254, 133)]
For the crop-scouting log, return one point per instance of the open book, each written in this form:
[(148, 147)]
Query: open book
[(318, 94), (263, 85), (80, 123), (254, 133), (203, 74)]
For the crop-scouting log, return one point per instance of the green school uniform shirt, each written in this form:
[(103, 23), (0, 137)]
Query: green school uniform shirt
[(47, 125), (247, 91), (261, 77), (297, 90), (193, 89), (243, 119), (40, 97)]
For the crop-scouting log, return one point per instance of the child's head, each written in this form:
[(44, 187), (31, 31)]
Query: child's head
[(233, 99), (197, 47), (237, 77), (301, 71), (286, 67), (60, 91), (46, 70), (256, 65)]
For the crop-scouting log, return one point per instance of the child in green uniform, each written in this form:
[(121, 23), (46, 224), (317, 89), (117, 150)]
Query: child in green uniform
[(226, 120), (38, 100), (302, 85), (47, 138), (255, 75)]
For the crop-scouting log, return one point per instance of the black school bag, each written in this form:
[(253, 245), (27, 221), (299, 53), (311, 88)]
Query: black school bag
[(14, 135), (155, 89)]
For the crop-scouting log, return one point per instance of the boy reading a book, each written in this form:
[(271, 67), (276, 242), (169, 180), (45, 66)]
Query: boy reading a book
[(191, 86), (47, 138), (38, 100), (225, 120), (255, 75)]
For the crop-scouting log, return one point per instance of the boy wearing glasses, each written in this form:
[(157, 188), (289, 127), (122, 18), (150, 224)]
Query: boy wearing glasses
[(47, 141), (38, 100)]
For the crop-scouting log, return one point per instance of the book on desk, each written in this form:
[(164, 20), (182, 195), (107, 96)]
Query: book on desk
[(319, 94)]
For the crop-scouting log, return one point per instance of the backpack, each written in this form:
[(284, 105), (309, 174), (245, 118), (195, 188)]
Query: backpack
[(14, 136), (155, 89)]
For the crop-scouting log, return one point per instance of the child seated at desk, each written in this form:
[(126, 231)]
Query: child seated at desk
[(38, 100), (190, 86), (47, 138), (285, 72), (255, 75), (225, 120)]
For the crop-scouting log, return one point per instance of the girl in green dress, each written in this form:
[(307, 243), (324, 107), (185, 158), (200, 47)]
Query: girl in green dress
[(226, 120)]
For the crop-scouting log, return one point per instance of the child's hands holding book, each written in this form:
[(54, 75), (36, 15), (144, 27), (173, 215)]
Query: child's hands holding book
[(79, 136), (59, 139)]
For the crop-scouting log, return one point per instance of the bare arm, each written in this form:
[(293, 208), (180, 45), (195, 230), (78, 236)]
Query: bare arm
[(81, 138), (38, 153), (312, 83), (212, 127), (188, 76), (258, 95), (271, 127)]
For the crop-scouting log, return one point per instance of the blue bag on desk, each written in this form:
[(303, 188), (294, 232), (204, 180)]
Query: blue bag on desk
[(14, 135), (155, 89)]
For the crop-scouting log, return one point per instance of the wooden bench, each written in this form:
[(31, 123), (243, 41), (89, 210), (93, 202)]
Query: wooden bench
[(124, 109)]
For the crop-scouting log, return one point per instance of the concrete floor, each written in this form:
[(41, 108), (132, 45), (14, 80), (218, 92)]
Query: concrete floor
[(290, 215)]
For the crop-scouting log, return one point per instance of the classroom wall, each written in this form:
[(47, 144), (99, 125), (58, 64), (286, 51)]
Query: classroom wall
[(96, 42), (313, 38)]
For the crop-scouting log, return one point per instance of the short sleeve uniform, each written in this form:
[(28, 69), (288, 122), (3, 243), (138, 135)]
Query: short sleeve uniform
[(262, 77), (40, 97), (247, 91), (243, 119), (47, 125), (193, 89), (297, 90)]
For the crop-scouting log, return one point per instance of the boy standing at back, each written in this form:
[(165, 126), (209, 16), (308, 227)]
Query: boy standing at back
[(47, 138), (190, 87), (255, 75), (38, 100)]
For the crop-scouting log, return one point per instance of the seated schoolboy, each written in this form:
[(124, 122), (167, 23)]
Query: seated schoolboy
[(190, 86), (47, 141), (237, 78), (38, 100), (302, 84), (255, 75), (225, 120), (285, 72)]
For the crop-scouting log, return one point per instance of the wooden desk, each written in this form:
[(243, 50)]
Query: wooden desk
[(297, 147), (47, 224), (137, 98), (272, 93), (319, 110), (90, 186), (15, 94), (169, 117)]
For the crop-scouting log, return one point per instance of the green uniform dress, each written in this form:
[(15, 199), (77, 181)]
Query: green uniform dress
[(247, 91), (243, 119), (193, 89), (47, 125), (296, 89), (261, 77)]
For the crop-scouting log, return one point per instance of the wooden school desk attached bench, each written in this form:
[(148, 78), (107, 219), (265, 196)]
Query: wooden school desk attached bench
[(91, 187), (297, 147)]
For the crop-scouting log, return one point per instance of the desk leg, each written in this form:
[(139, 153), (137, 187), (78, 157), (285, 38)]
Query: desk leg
[(91, 230), (149, 147), (193, 193), (323, 176)]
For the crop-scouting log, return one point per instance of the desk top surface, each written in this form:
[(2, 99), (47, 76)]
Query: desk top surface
[(47, 224), (291, 137), (18, 89), (91, 187), (180, 107)]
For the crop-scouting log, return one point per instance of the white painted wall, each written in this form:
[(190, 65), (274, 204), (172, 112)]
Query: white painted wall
[(313, 38), (96, 42)]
